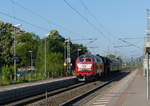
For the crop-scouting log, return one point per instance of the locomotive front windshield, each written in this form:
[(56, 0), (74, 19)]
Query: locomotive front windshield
[(85, 59), (88, 60), (81, 59)]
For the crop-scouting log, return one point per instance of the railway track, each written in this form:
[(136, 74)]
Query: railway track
[(46, 94), (74, 95), (87, 95), (66, 95), (80, 97)]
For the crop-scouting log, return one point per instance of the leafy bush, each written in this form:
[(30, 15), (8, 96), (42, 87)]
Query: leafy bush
[(7, 72)]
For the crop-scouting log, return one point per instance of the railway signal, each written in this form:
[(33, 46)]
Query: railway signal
[(67, 59)]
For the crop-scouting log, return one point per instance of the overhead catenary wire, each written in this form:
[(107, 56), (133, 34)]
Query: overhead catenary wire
[(89, 22), (131, 44), (133, 38), (47, 21), (118, 46), (94, 17), (22, 20), (13, 9), (97, 21), (84, 18), (29, 10)]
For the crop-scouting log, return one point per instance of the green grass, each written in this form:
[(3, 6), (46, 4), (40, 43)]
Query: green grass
[(30, 77)]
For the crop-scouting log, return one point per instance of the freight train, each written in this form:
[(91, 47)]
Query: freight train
[(89, 67)]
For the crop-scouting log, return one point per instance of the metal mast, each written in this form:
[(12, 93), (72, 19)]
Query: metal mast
[(148, 50), (148, 23), (68, 56)]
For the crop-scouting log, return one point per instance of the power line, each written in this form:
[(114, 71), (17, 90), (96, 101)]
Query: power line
[(133, 38), (49, 22), (120, 46), (29, 10), (83, 17), (90, 13), (13, 8), (94, 17), (130, 43), (21, 20)]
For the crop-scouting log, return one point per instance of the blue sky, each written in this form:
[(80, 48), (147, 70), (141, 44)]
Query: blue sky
[(116, 19)]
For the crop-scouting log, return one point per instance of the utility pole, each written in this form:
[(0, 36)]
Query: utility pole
[(148, 23), (45, 60), (15, 71), (148, 78), (148, 50)]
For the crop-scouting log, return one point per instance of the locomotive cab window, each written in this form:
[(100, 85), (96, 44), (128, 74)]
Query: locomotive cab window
[(88, 60), (81, 59)]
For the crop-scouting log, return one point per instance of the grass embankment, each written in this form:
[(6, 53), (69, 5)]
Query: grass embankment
[(31, 77)]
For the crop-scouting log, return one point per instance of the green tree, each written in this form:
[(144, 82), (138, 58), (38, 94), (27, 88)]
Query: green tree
[(54, 53), (28, 42), (55, 42), (54, 62), (111, 56), (55, 66), (6, 43)]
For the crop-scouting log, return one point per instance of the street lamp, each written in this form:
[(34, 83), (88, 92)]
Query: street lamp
[(15, 72)]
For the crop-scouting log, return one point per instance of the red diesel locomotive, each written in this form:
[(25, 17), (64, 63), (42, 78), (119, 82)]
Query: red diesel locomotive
[(89, 67)]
